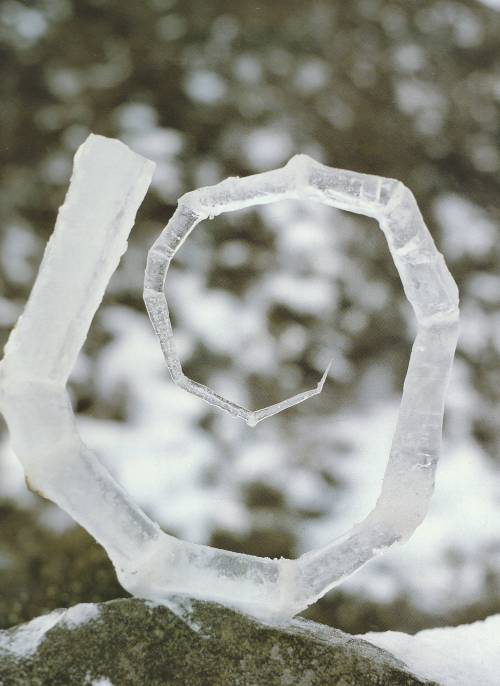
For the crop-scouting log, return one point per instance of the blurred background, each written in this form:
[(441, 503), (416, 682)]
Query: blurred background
[(262, 299)]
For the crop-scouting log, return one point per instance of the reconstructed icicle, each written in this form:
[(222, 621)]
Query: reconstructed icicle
[(108, 184), (193, 208)]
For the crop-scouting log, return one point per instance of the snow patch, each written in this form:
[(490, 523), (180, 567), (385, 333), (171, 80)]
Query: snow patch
[(99, 681), (493, 4), (452, 656), (80, 614), (26, 639)]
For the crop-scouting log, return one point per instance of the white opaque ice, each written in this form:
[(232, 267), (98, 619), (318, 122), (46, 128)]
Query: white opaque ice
[(108, 184)]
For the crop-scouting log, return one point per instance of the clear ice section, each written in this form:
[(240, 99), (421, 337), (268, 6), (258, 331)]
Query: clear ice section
[(108, 185), (231, 194)]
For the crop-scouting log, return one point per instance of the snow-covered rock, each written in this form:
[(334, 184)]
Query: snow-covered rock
[(454, 656)]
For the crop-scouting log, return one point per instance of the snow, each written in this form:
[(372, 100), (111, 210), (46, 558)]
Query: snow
[(80, 614), (139, 129), (494, 4), (452, 656), (97, 681), (467, 230), (25, 640), (18, 247), (266, 147), (205, 87), (9, 312), (27, 24)]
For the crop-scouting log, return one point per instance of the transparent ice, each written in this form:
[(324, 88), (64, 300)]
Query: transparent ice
[(108, 184), (159, 259)]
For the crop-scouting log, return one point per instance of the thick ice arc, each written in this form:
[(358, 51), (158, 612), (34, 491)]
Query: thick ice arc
[(108, 184)]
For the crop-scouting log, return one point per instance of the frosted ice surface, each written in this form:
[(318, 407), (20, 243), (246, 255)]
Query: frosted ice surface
[(108, 184)]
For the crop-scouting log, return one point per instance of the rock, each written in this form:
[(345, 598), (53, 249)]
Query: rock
[(132, 642)]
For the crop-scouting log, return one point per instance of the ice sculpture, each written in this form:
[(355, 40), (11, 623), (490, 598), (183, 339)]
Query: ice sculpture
[(108, 184), (193, 208)]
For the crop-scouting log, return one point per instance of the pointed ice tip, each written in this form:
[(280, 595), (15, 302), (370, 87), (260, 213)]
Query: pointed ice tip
[(321, 382)]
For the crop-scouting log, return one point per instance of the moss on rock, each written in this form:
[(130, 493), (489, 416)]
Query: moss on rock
[(131, 642)]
